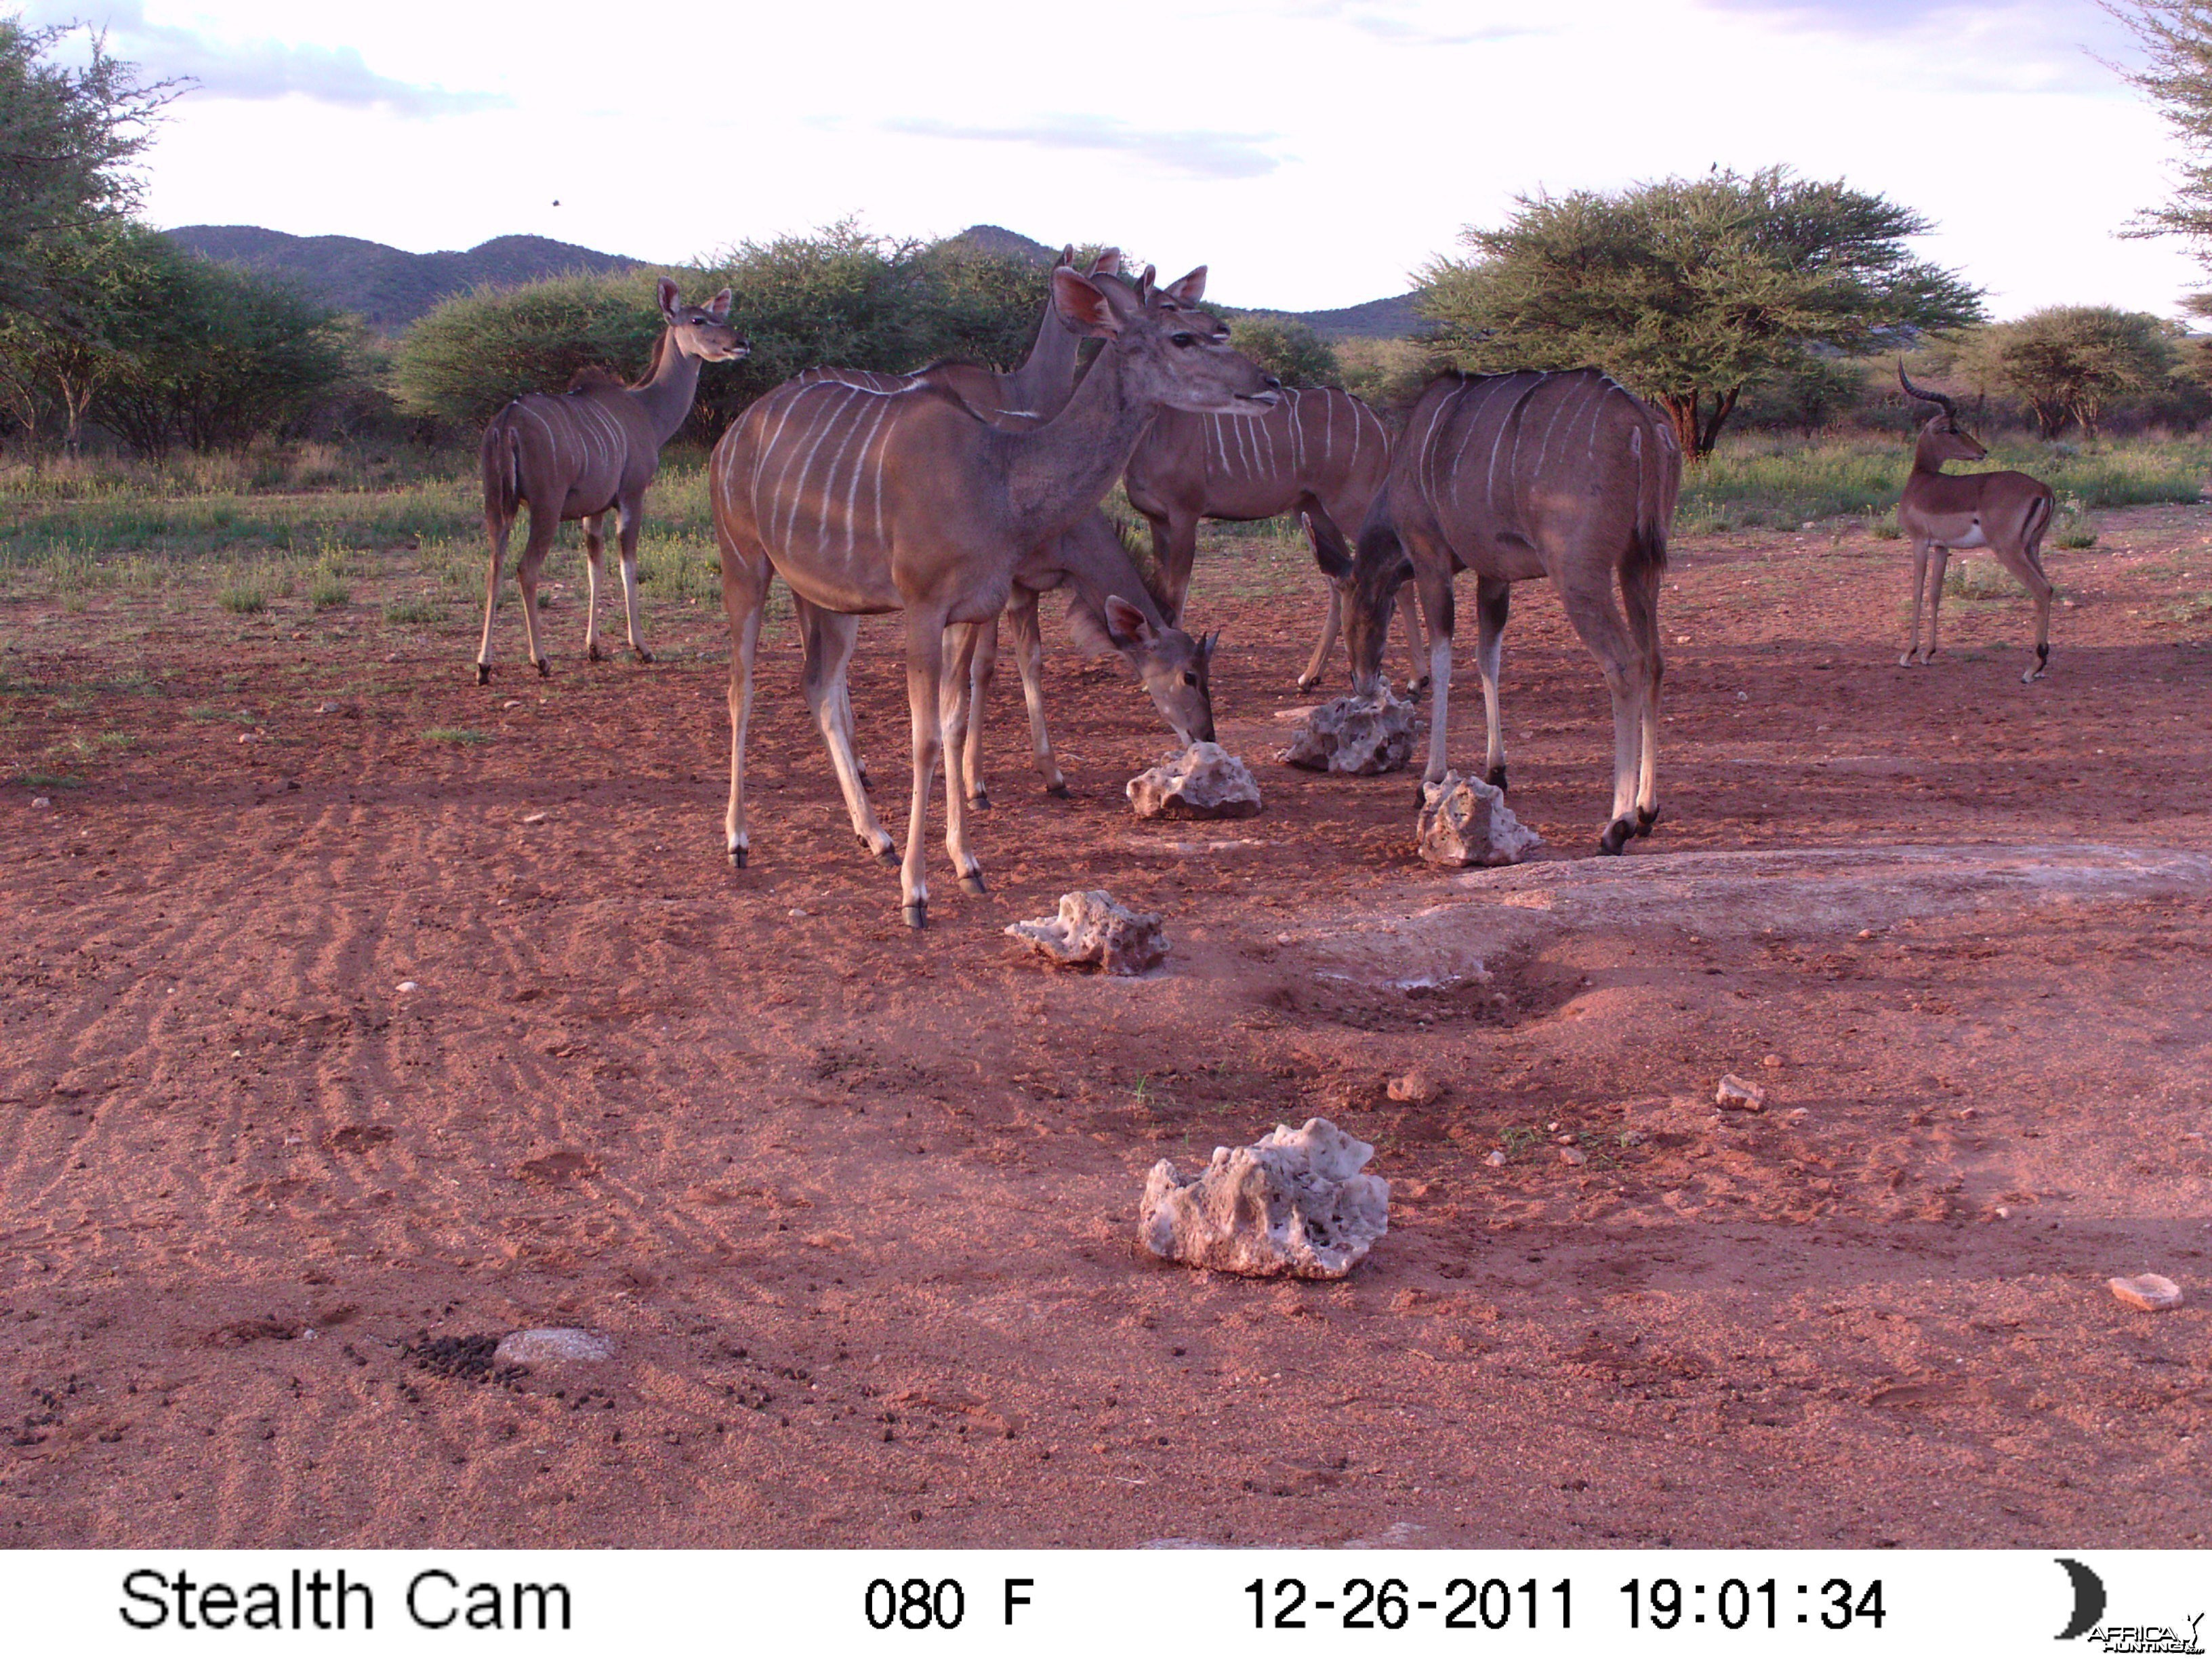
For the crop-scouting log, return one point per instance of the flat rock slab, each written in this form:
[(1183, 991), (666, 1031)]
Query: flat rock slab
[(1092, 930), (1204, 781), (1465, 821), (1354, 736), (1297, 1205), (2151, 1293), (553, 1346)]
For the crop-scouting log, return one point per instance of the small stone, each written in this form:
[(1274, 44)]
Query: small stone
[(2002, 1212), (1296, 1204), (535, 818), (553, 1346), (1633, 1138), (1496, 1158), (1465, 821), (327, 708), (1773, 1062), (512, 703), (1734, 1094), (1203, 782), (249, 736), (1354, 735), (1415, 1088), (1573, 1155), (2149, 1291), (1092, 930), (42, 801), (408, 985)]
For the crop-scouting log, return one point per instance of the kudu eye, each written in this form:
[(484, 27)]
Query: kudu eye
[(1189, 677), (1182, 339)]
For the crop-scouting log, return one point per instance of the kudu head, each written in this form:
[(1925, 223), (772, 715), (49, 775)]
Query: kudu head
[(702, 332), (1172, 354), (1171, 664), (1942, 437), (1369, 580)]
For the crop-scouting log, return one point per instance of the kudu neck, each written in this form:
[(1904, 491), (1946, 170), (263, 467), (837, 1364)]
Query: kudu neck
[(1047, 375), (667, 397), (1057, 472), (1098, 572)]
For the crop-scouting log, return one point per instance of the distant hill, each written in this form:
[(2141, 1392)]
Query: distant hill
[(388, 286), (391, 288)]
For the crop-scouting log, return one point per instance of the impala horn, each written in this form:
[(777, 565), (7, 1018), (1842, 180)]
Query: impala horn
[(1912, 391)]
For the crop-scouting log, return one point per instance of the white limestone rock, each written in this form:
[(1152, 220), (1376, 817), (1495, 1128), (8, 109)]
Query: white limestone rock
[(1092, 930), (1295, 1204), (1204, 781), (2151, 1292), (1465, 821), (1734, 1094), (553, 1346), (1354, 735)]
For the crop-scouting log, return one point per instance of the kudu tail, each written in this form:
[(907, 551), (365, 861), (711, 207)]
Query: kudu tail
[(501, 458), (1658, 482)]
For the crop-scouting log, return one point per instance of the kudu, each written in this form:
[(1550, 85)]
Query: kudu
[(866, 502), (2005, 512), (1320, 451), (589, 450), (1565, 475)]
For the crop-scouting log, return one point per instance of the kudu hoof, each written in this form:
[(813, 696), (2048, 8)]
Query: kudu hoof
[(483, 673), (1645, 817), (888, 852), (643, 655), (1616, 837), (972, 884), (544, 669), (1307, 682), (1058, 792), (737, 858), (917, 914), (1497, 778), (980, 800), (593, 652)]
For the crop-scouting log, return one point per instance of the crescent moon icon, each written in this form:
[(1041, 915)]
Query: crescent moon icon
[(2089, 1599)]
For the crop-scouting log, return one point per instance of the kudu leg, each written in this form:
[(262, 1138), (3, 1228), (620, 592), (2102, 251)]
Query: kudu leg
[(1597, 620), (1417, 642), (953, 724), (829, 639), (1028, 658), (745, 590), (1179, 555), (496, 529), (971, 721), (925, 672), (1493, 600), (543, 523), (1432, 572), (1329, 629), (633, 520), (1639, 592), (595, 547)]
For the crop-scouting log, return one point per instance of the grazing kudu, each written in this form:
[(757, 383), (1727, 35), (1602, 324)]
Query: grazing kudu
[(2005, 512), (866, 502), (1319, 451), (588, 451), (1569, 477)]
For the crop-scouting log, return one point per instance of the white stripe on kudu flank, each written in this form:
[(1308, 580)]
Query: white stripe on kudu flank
[(860, 465), (1266, 433), (830, 483), (1214, 427), (823, 423)]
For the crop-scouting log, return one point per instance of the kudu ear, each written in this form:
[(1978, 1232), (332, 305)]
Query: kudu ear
[(1107, 264), (1189, 290), (1206, 646), (1085, 307), (1126, 625), (719, 307), (1330, 552), (1066, 256), (1087, 631), (670, 298)]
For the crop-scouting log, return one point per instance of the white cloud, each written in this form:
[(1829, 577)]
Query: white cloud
[(1192, 155)]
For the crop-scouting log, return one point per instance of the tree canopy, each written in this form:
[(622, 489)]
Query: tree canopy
[(1690, 290), (1286, 348), (2073, 363), (2176, 38)]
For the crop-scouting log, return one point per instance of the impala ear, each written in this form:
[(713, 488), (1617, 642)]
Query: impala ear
[(669, 299), (1126, 625), (1084, 307), (1189, 290), (719, 307)]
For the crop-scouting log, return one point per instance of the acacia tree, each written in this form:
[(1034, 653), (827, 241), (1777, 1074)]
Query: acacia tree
[(1287, 348), (2073, 363), (1690, 290), (2176, 38)]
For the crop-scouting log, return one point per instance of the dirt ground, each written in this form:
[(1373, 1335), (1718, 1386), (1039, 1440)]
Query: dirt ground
[(857, 1205)]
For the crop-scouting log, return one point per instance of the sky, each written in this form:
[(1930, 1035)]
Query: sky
[(1314, 153)]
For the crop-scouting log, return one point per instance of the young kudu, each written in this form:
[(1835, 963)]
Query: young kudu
[(587, 452), (2005, 512), (866, 502), (1320, 451), (1568, 476)]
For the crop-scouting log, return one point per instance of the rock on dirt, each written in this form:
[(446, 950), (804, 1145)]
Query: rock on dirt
[(1296, 1204), (1354, 735), (1203, 782), (2151, 1293), (554, 1345), (1092, 930), (1465, 821), (1415, 1088), (1734, 1094)]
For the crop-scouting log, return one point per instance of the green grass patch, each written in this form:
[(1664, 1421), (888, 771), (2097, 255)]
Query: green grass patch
[(38, 780), (455, 734), (413, 609), (1979, 579), (327, 590)]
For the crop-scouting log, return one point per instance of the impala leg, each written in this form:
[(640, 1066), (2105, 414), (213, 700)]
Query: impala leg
[(978, 682), (633, 521), (952, 723), (1417, 642), (1939, 560), (1597, 620), (1919, 587), (1493, 600), (1329, 629), (1640, 591), (2027, 569), (744, 588), (544, 521), (497, 525), (828, 651), (925, 669), (1028, 658)]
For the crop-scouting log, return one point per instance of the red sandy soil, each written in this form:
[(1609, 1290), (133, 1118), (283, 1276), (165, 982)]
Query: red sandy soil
[(857, 1204)]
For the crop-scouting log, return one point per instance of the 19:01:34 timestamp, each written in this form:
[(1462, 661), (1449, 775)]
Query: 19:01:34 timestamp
[(1661, 1604)]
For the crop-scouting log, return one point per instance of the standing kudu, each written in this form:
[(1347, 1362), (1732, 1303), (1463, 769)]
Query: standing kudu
[(1320, 451), (1569, 477), (586, 451), (2005, 512), (908, 500)]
